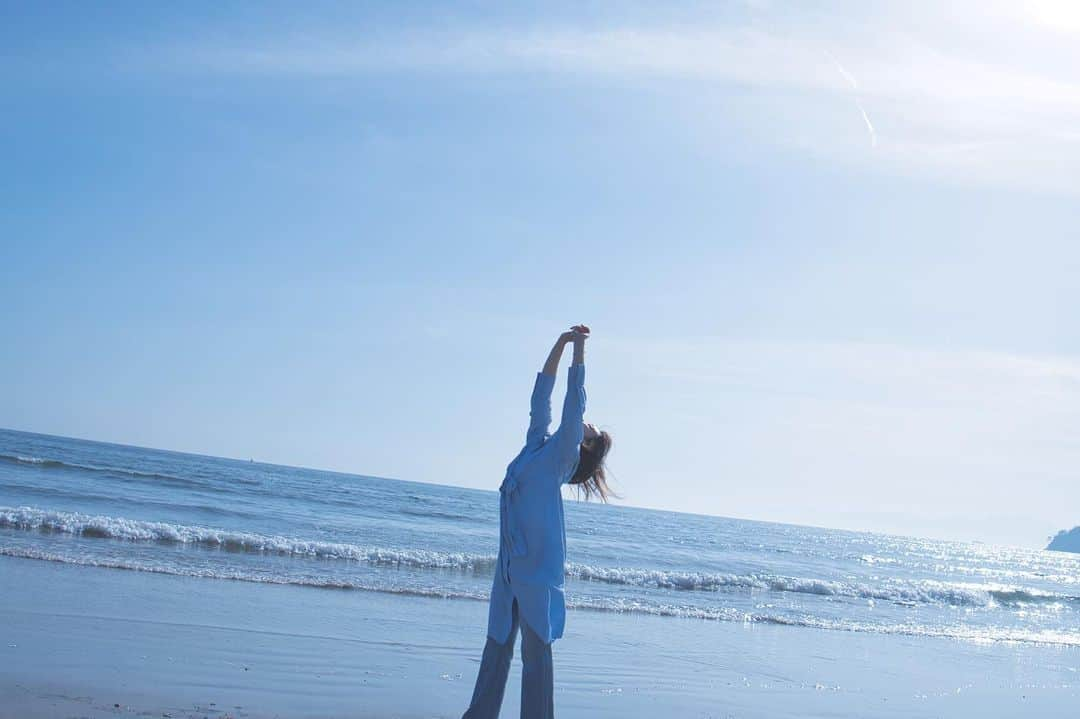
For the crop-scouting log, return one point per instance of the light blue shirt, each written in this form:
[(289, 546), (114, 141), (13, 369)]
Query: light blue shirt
[(532, 533)]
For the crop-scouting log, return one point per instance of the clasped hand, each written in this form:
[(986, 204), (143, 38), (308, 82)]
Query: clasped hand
[(575, 333)]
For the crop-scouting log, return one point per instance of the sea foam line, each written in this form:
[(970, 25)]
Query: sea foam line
[(916, 592), (234, 574), (596, 604), (135, 530), (921, 592)]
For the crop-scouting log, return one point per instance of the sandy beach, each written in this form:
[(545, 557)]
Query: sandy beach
[(82, 642), (727, 345)]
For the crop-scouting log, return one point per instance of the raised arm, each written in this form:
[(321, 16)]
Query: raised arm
[(540, 412), (571, 426), (551, 367)]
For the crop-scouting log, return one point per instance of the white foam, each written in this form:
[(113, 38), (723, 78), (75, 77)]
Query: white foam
[(904, 592), (599, 604), (76, 523), (922, 592)]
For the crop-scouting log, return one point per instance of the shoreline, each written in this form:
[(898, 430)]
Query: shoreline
[(79, 641), (1033, 547)]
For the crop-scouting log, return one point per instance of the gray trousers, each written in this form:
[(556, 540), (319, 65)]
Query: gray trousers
[(537, 681)]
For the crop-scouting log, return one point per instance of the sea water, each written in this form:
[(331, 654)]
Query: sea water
[(119, 507)]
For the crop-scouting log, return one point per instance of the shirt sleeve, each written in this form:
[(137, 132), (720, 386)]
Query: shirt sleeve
[(571, 428), (540, 411)]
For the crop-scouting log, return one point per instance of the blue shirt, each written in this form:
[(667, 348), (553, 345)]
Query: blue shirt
[(532, 533)]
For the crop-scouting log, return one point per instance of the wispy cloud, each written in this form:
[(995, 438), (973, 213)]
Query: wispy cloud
[(858, 103), (950, 106)]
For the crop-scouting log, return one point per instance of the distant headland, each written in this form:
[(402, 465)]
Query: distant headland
[(1066, 540)]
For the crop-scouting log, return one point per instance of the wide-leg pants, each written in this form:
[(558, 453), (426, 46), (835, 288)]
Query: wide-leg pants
[(537, 681)]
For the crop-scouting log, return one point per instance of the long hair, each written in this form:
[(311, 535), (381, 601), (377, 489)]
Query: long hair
[(591, 475)]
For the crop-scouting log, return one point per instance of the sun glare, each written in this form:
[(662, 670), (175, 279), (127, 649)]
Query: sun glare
[(1063, 15)]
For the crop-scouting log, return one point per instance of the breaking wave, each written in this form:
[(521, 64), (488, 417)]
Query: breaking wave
[(57, 464), (897, 591), (134, 530), (922, 592), (597, 604)]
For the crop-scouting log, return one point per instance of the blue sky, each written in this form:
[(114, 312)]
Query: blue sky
[(829, 255)]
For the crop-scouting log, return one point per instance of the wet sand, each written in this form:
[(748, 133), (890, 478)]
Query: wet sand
[(90, 642)]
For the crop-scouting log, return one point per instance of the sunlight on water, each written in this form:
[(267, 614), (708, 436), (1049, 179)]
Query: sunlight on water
[(110, 506)]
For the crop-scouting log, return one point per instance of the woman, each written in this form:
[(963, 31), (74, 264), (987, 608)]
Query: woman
[(528, 586)]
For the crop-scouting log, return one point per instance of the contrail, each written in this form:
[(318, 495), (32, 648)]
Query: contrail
[(869, 125), (858, 103)]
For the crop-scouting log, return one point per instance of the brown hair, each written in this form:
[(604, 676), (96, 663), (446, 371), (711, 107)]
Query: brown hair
[(591, 475)]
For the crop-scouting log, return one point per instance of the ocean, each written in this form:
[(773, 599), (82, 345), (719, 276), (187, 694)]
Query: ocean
[(116, 507)]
